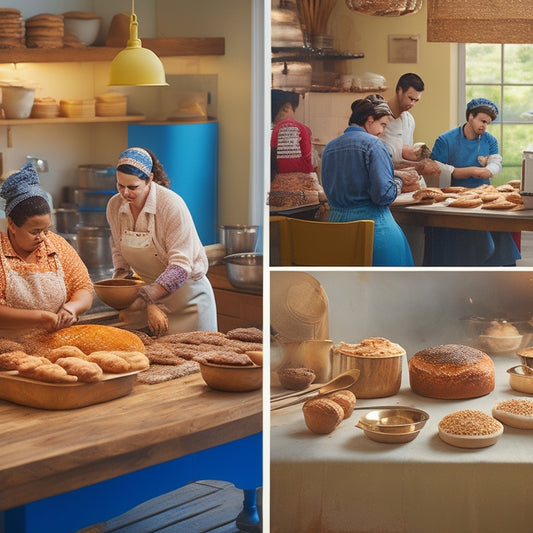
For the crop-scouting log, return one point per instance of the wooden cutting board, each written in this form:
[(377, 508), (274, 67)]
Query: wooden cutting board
[(57, 396)]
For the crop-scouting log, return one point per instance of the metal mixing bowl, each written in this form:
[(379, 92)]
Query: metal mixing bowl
[(245, 271), (238, 238), (118, 293)]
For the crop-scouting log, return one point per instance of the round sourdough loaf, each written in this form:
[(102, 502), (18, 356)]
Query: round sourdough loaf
[(451, 371)]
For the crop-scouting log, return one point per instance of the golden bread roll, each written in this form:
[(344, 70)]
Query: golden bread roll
[(11, 360), (49, 372), (109, 362), (345, 398), (65, 351), (296, 378), (91, 338), (322, 415), (85, 371), (466, 201), (451, 372), (136, 360)]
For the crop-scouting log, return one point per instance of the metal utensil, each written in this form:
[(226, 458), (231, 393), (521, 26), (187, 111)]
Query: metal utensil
[(341, 382)]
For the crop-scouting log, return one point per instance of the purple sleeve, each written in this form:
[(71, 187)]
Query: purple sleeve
[(172, 278)]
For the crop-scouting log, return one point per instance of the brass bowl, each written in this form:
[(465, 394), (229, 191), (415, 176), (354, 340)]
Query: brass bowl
[(526, 355), (393, 425), (118, 293), (232, 378), (521, 378)]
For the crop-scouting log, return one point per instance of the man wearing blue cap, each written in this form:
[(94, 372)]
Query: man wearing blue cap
[(473, 152)]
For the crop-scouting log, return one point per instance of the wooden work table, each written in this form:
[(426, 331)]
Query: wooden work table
[(46, 453), (439, 215)]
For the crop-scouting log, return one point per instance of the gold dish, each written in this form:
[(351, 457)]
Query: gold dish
[(232, 378), (58, 396), (394, 425), (521, 378)]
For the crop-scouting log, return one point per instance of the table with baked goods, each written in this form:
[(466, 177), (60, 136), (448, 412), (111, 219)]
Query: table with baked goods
[(61, 470), (476, 218), (343, 481)]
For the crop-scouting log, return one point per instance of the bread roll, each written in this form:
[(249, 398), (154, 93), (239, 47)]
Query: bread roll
[(322, 415), (296, 378), (346, 399), (451, 371)]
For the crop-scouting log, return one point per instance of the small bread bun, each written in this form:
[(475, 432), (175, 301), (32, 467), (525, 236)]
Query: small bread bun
[(346, 399), (296, 378), (501, 329), (322, 415)]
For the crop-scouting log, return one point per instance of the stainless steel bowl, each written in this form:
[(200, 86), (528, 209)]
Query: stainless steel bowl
[(238, 238), (245, 271)]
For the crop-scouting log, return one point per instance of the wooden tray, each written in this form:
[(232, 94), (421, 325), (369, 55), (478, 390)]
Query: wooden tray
[(43, 395)]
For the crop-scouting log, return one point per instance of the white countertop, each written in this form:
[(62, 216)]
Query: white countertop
[(332, 479)]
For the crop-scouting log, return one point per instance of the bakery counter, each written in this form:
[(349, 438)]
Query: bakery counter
[(440, 215), (64, 470), (345, 482), (236, 308)]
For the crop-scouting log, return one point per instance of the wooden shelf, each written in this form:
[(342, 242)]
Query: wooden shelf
[(164, 47), (70, 120)]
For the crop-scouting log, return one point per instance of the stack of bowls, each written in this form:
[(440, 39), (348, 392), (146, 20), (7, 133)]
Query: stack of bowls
[(244, 266)]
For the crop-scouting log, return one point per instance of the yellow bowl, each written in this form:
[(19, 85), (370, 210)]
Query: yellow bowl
[(118, 293), (232, 378)]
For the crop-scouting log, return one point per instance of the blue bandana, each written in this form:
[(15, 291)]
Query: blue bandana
[(20, 186), (482, 102), (138, 159)]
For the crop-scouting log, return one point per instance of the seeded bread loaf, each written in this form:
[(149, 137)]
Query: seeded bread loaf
[(90, 338), (451, 371)]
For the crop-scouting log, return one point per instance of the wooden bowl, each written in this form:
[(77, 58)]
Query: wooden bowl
[(232, 378), (380, 376), (256, 356), (118, 293)]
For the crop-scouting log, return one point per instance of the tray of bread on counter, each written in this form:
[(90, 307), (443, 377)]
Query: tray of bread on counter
[(504, 197), (87, 364)]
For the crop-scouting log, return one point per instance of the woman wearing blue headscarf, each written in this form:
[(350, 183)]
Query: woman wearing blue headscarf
[(473, 151), (153, 235)]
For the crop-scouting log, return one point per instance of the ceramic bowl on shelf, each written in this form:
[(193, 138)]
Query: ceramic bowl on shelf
[(232, 378), (83, 26)]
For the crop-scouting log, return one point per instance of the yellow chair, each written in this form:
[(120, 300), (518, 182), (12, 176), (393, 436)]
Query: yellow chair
[(296, 242)]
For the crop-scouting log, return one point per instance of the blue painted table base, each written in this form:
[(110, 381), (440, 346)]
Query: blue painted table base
[(238, 462)]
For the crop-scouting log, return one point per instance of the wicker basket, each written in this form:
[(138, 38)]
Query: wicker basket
[(385, 8)]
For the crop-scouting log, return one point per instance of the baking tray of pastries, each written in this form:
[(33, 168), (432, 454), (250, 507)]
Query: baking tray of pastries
[(57, 396)]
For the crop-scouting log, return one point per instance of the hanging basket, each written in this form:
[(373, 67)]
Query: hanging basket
[(385, 8)]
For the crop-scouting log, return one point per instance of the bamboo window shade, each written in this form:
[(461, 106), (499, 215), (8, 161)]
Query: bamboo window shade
[(480, 21)]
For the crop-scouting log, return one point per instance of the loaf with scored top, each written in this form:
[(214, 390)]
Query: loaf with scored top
[(90, 338)]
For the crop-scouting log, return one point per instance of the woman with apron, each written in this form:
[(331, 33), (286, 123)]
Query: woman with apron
[(43, 282), (153, 236), (359, 181)]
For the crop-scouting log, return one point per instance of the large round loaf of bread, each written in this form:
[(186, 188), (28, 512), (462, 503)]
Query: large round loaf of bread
[(451, 372), (90, 338)]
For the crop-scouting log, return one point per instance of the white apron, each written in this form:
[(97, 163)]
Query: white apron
[(192, 307), (38, 290)]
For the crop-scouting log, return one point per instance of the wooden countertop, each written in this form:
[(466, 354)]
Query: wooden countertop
[(438, 215), (43, 453)]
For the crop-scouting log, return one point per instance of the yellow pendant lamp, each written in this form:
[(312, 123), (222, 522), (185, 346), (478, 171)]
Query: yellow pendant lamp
[(136, 65)]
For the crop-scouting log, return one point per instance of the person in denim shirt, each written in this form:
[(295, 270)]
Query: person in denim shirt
[(358, 179)]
